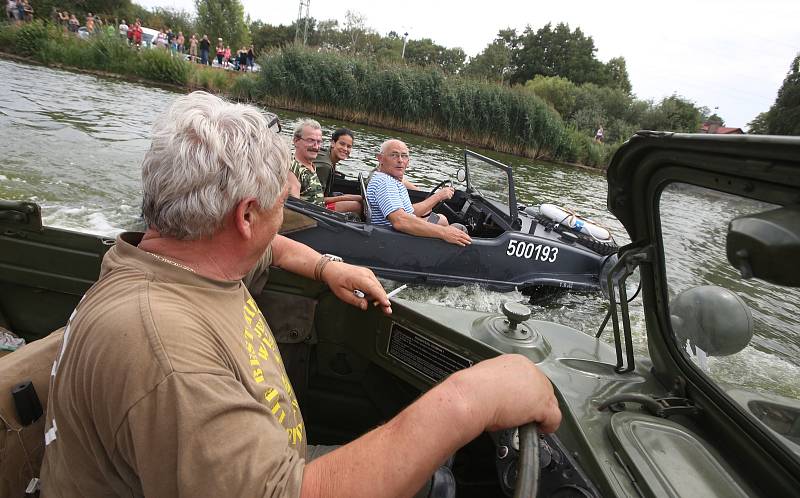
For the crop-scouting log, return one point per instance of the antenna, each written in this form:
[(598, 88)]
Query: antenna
[(306, 4)]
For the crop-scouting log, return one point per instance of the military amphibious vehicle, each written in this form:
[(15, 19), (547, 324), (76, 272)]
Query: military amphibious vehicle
[(648, 415), (513, 246)]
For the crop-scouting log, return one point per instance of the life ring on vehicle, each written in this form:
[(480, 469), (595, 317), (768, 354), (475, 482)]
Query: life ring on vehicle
[(577, 223)]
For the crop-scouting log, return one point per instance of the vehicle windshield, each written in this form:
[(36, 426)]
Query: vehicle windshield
[(492, 180), (761, 373)]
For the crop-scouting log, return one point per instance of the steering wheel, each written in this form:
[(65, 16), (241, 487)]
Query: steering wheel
[(528, 468), (441, 184), (452, 215)]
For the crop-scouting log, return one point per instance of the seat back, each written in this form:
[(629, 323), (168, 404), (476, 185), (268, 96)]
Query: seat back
[(22, 446), (367, 210)]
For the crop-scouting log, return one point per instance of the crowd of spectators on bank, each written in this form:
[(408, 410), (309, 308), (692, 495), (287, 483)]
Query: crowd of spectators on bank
[(193, 48), (19, 11)]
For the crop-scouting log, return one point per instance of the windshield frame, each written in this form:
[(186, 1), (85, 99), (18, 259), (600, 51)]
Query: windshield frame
[(507, 211)]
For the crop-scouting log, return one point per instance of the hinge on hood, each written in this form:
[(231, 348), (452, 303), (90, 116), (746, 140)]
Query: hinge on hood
[(663, 407)]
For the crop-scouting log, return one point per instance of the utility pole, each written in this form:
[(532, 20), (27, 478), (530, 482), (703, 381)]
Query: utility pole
[(306, 4)]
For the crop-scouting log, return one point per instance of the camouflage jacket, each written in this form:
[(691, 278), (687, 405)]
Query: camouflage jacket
[(310, 187)]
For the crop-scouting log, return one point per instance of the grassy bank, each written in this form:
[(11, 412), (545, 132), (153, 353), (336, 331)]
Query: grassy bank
[(416, 100)]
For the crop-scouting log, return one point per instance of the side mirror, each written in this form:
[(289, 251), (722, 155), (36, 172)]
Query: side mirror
[(765, 245), (461, 175), (713, 319)]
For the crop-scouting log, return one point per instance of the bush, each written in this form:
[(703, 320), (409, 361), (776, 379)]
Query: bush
[(31, 37), (245, 88), (213, 80), (160, 65)]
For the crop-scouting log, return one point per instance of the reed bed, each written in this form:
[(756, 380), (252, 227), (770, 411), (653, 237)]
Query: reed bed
[(418, 100)]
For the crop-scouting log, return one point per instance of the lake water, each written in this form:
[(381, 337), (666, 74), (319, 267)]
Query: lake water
[(73, 143)]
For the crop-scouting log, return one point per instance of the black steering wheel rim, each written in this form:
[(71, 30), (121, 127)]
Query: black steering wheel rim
[(437, 187), (527, 484), (452, 215)]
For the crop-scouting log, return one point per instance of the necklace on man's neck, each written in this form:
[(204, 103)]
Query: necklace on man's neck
[(169, 261)]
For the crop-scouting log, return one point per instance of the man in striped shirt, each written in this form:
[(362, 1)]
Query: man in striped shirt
[(391, 206)]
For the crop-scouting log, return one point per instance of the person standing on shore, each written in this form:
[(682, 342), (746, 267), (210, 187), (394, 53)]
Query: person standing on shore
[(73, 24), (220, 52), (251, 57), (90, 23), (123, 30), (205, 47), (179, 43), (193, 48)]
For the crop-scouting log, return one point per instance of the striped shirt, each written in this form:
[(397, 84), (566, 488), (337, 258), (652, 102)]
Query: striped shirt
[(310, 187), (386, 195)]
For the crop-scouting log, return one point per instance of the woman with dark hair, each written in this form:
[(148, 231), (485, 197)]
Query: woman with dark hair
[(251, 57), (242, 59)]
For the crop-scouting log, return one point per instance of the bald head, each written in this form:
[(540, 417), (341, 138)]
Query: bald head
[(393, 158)]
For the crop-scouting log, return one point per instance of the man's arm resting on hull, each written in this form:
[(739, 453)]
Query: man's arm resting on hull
[(412, 225), (342, 278), (397, 458)]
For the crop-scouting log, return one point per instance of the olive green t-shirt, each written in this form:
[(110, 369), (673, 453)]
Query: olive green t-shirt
[(170, 384)]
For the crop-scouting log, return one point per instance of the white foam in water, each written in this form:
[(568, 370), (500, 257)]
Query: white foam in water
[(471, 297), (753, 369), (3, 178), (98, 223), (79, 218)]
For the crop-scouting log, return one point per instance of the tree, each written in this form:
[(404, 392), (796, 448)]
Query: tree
[(783, 117), (176, 20), (618, 74), (493, 64), (222, 19), (759, 125), (425, 52), (556, 51), (674, 113), (558, 92), (266, 36), (355, 29)]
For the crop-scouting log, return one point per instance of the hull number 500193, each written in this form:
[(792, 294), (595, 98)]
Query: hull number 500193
[(529, 250)]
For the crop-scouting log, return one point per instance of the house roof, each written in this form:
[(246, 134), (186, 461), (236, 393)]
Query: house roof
[(720, 130)]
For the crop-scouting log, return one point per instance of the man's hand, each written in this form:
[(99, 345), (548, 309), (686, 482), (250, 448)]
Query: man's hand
[(455, 236), (343, 279), (445, 193), (508, 391)]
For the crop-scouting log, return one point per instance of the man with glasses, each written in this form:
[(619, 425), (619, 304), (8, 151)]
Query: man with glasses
[(304, 182), (390, 204)]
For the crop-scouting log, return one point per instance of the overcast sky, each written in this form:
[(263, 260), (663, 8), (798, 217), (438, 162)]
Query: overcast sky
[(729, 54)]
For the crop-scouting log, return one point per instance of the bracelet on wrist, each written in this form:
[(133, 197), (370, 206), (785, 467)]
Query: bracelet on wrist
[(322, 263)]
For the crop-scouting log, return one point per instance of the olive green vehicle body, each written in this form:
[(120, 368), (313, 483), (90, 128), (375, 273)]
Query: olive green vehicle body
[(349, 378)]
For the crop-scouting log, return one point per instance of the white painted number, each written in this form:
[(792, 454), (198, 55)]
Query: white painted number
[(529, 250)]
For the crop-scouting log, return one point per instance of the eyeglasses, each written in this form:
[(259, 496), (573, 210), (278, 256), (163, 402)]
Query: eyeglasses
[(311, 141), (398, 155)]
